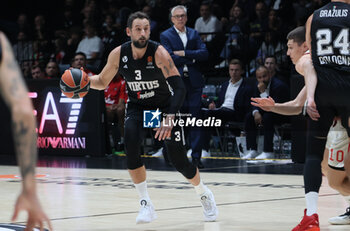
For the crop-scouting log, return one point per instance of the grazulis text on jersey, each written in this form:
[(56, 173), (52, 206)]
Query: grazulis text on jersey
[(334, 13)]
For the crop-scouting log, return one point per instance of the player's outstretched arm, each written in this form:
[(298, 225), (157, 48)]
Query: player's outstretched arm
[(15, 94), (101, 81), (293, 107), (267, 104), (170, 72)]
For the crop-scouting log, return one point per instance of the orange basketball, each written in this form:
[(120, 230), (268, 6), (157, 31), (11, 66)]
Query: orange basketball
[(75, 83)]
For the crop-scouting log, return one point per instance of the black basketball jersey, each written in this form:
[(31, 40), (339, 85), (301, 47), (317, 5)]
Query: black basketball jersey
[(146, 84), (330, 37)]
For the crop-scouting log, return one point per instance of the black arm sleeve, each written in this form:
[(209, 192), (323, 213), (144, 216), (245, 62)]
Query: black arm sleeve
[(179, 92)]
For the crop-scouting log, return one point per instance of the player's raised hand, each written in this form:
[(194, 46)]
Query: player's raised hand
[(36, 216), (264, 103), (164, 131)]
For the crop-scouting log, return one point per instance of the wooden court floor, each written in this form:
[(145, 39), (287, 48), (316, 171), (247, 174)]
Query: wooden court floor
[(80, 199)]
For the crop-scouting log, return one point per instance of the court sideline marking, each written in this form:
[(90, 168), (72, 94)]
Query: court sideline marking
[(186, 207)]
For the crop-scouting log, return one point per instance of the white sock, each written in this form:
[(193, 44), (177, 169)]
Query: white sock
[(141, 189), (200, 188), (311, 203), (347, 198)]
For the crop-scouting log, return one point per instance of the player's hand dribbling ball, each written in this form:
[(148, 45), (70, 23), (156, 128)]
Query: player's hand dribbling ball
[(75, 83)]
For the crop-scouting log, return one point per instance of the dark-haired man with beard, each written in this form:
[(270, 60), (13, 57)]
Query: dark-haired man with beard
[(149, 71)]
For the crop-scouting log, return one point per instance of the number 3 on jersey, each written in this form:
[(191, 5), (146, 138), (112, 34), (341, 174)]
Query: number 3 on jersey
[(138, 74), (324, 39)]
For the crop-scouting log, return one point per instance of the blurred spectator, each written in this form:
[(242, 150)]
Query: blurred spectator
[(111, 35), (271, 65), (72, 42), (26, 69), (91, 44), (23, 24), (115, 98), (192, 10), (113, 9), (286, 13), (23, 49), (90, 13), (52, 70), (161, 13), (271, 46), (122, 16), (154, 24), (235, 45), (234, 100), (259, 25), (207, 23), (41, 30), (38, 72), (274, 22), (302, 11), (42, 36), (60, 51), (247, 6), (109, 28), (38, 52), (70, 19), (79, 61), (236, 18), (257, 118)]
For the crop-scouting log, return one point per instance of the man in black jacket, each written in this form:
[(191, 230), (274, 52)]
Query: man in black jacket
[(234, 99), (266, 86)]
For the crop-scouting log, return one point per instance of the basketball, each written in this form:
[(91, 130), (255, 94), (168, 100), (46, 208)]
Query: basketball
[(75, 83)]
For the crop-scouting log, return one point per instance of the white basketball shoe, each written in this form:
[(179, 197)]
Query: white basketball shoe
[(251, 154), (159, 153), (210, 210), (189, 153), (147, 213), (265, 155), (341, 219)]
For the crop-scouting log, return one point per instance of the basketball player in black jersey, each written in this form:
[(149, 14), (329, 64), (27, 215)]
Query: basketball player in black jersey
[(15, 94), (149, 70), (327, 34)]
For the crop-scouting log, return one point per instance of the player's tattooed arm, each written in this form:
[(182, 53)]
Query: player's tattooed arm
[(168, 67), (14, 91), (165, 62)]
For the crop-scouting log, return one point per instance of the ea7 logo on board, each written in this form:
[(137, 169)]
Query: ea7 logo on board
[(11, 227)]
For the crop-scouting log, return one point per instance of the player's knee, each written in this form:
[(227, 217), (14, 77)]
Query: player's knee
[(186, 169), (133, 157), (132, 163), (316, 149), (131, 136)]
